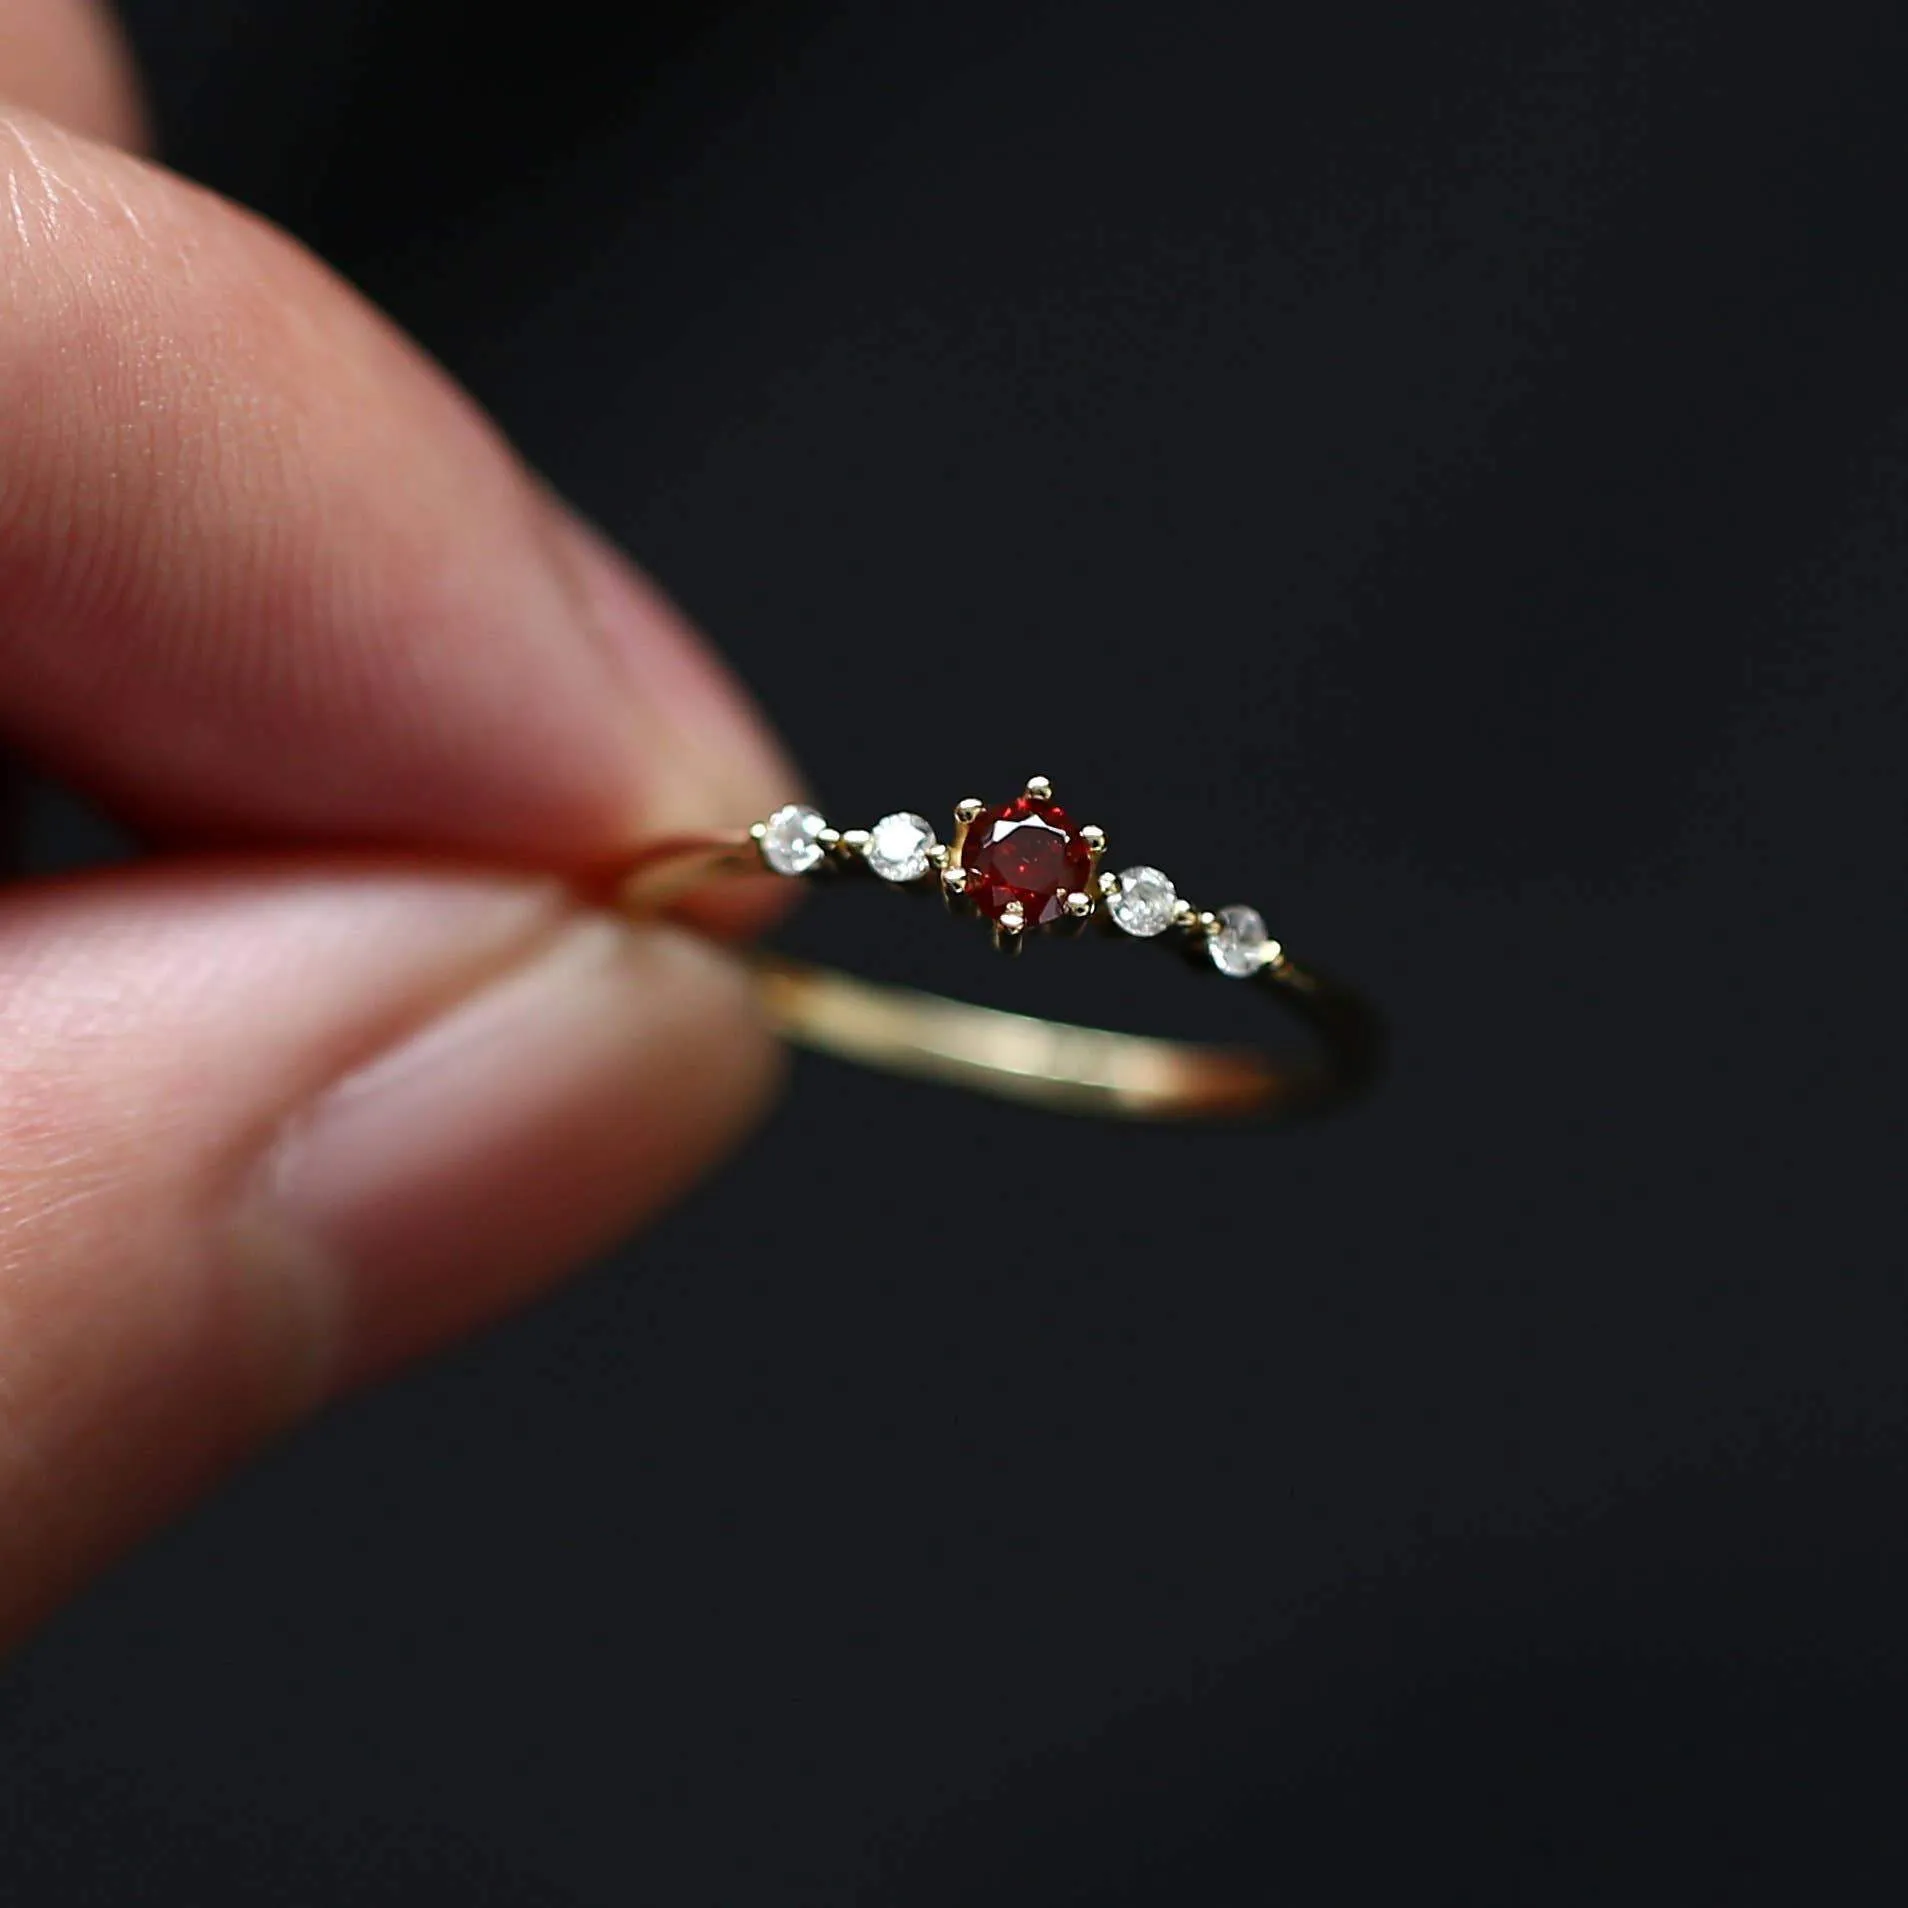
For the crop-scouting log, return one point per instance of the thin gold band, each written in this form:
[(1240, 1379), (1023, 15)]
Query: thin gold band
[(1014, 1056), (1070, 1069)]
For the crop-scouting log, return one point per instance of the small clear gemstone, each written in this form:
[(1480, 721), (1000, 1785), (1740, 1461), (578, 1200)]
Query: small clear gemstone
[(790, 843), (898, 847), (1143, 902), (1238, 948)]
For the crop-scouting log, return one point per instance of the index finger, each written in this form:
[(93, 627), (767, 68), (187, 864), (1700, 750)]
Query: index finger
[(263, 570)]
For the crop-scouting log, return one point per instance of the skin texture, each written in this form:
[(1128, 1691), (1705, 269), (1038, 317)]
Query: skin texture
[(351, 1068), (66, 58)]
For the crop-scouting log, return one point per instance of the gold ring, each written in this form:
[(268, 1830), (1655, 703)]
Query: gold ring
[(1026, 868)]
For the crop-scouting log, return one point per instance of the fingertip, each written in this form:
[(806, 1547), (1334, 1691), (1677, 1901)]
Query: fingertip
[(272, 577)]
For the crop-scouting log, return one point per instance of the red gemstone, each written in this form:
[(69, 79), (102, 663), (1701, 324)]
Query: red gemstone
[(1029, 852)]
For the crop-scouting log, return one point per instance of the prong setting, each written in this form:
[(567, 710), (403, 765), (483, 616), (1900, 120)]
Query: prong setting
[(901, 848), (793, 841), (1142, 902), (1239, 944)]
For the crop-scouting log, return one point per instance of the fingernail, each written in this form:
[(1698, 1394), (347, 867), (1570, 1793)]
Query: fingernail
[(525, 1127), (710, 759)]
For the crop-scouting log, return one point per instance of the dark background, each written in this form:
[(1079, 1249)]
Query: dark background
[(1440, 471)]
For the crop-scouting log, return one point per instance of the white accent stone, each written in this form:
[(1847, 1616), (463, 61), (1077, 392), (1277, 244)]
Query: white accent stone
[(1143, 902), (1238, 949), (898, 847), (789, 841)]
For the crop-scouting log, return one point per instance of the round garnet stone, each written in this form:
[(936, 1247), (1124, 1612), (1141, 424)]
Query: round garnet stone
[(1028, 852)]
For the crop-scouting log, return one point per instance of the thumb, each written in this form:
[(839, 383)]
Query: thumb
[(267, 1129)]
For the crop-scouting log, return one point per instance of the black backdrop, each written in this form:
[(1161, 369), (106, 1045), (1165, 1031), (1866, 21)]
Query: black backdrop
[(1441, 469)]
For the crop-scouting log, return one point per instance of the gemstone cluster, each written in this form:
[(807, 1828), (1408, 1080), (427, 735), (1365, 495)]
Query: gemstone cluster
[(1021, 864)]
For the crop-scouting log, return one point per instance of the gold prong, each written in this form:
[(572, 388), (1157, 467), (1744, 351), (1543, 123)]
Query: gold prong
[(954, 890), (1039, 789), (758, 831), (1108, 885), (966, 813), (1200, 925), (852, 843), (1272, 955), (937, 856), (1095, 839), (1076, 910), (1010, 931)]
